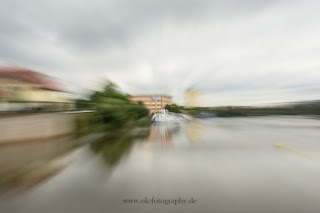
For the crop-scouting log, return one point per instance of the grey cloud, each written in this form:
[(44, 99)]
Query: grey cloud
[(166, 46), (93, 23)]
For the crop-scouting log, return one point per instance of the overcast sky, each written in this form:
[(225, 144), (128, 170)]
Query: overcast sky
[(235, 52)]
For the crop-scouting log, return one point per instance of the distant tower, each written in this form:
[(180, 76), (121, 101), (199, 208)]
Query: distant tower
[(191, 97)]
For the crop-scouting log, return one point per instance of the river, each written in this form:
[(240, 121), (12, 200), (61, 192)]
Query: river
[(247, 164)]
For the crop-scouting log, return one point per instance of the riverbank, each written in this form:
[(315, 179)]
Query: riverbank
[(240, 112)]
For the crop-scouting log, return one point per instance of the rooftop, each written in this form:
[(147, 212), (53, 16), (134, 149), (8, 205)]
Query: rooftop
[(31, 76)]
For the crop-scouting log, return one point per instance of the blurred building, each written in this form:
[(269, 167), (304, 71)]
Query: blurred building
[(153, 102), (191, 96), (24, 89)]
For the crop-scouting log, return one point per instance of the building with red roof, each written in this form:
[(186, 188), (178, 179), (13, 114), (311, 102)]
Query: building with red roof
[(25, 89)]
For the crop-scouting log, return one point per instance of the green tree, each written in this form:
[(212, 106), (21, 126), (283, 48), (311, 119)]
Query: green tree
[(173, 108), (115, 108)]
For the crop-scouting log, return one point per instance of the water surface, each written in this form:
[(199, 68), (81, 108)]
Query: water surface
[(255, 164)]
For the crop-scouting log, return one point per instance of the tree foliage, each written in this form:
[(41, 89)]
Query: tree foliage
[(173, 108), (113, 106)]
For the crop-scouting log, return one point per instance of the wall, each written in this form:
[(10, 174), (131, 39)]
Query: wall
[(32, 127)]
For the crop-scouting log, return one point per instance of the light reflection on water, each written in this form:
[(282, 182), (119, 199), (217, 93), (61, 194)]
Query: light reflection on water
[(229, 165)]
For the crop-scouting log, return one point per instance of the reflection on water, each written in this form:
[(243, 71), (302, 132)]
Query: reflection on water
[(23, 165), (20, 161), (114, 146), (249, 165), (194, 131), (161, 135)]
